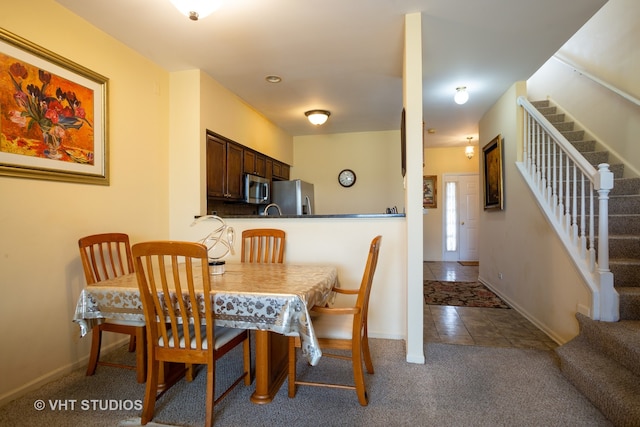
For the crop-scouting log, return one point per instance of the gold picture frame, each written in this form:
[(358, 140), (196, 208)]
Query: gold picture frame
[(492, 173), (430, 191), (53, 116)]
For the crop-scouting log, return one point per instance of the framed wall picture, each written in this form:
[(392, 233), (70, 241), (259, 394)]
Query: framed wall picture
[(492, 173), (403, 144), (430, 191), (52, 116)]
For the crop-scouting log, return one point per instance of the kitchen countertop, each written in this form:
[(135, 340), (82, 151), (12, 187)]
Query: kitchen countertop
[(381, 215)]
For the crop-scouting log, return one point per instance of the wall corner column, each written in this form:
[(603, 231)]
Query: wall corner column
[(412, 101)]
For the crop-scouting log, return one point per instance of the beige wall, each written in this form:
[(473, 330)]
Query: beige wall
[(41, 221), (344, 242), (440, 161), (538, 277), (612, 56), (373, 156), (156, 124), (199, 103)]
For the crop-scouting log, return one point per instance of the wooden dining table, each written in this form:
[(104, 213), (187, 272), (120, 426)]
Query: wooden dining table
[(272, 299)]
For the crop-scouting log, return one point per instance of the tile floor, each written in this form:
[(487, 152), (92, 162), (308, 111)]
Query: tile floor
[(492, 327)]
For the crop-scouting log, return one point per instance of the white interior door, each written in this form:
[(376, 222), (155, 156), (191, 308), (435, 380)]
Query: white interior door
[(461, 217), (469, 217)]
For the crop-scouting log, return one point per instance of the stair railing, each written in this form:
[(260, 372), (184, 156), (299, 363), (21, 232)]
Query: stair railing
[(564, 184)]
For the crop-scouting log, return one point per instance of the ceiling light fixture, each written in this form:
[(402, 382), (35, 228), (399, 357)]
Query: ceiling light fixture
[(196, 9), (317, 117), (469, 151), (273, 79), (461, 95)]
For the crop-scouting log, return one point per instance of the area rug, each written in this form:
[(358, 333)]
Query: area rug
[(469, 263), (463, 294)]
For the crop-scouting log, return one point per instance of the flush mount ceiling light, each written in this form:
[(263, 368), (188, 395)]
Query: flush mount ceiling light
[(461, 95), (469, 150), (196, 9), (273, 79), (317, 117)]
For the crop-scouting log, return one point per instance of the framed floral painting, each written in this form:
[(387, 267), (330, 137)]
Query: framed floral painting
[(430, 191), (52, 116)]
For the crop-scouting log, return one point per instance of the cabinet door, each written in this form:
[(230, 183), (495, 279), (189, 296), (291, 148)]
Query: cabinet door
[(254, 163), (260, 165), (234, 171), (216, 167), (280, 170), (249, 162), (277, 169), (268, 168), (285, 172)]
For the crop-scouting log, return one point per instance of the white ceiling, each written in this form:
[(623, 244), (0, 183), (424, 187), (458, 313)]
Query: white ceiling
[(346, 55)]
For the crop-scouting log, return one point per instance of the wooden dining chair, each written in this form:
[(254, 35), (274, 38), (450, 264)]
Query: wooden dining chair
[(173, 277), (343, 328), (263, 245), (107, 256)]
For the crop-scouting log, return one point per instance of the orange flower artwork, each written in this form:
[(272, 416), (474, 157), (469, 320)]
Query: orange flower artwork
[(43, 114)]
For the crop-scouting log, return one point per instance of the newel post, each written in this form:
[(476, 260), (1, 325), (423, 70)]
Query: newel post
[(609, 301)]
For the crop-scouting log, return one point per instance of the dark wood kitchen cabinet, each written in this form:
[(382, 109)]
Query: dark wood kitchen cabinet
[(269, 168), (254, 163), (280, 170), (224, 168)]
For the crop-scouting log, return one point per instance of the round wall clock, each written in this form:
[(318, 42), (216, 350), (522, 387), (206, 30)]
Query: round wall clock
[(347, 178)]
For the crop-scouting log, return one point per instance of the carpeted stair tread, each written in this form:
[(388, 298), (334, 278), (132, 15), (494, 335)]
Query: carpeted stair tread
[(620, 341), (623, 204), (612, 388), (584, 146), (596, 157), (603, 361), (547, 111), (624, 246), (564, 126), (626, 273), (541, 103), (622, 223), (554, 118), (626, 186), (573, 135), (629, 302)]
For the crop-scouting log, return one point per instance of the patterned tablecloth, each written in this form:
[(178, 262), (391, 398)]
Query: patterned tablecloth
[(271, 297)]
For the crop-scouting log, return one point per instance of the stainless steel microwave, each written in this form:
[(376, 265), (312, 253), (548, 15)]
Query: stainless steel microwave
[(256, 190)]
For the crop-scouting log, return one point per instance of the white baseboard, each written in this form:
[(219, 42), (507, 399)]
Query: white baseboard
[(54, 375), (550, 333)]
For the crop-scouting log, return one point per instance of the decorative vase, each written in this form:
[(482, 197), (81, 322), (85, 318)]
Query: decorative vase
[(53, 143)]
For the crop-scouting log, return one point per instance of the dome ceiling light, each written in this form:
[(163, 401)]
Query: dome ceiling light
[(317, 117), (461, 95)]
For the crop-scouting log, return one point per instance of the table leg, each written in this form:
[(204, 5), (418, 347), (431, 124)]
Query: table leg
[(170, 373), (271, 365)]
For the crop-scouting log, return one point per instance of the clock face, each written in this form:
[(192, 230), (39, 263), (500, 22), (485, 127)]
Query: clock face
[(347, 178)]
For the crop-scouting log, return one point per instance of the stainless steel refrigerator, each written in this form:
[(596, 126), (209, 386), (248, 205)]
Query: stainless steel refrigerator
[(294, 197)]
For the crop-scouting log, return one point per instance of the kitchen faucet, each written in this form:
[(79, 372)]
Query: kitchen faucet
[(271, 205)]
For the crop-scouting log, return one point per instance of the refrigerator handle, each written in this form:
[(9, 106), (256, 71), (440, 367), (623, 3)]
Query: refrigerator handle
[(309, 204)]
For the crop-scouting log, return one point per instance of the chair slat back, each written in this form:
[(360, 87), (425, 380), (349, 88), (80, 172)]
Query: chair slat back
[(170, 276), (367, 280), (105, 256), (263, 245)]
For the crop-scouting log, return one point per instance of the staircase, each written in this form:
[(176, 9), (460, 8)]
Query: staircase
[(603, 361)]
